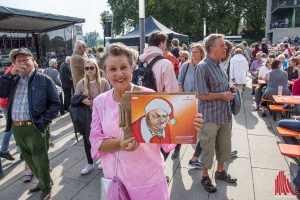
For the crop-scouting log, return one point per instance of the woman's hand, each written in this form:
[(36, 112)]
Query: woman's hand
[(129, 145), (198, 122), (87, 101)]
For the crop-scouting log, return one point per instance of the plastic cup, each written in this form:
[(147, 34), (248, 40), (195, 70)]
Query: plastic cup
[(280, 90)]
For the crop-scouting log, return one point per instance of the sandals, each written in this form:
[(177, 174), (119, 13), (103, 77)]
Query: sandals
[(225, 177), (208, 186)]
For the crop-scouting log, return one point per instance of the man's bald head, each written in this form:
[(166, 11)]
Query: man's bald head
[(80, 47)]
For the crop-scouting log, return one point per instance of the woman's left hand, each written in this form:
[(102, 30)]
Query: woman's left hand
[(129, 145), (198, 122)]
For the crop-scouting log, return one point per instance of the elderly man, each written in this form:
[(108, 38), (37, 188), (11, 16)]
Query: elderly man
[(254, 69), (212, 87), (52, 72), (77, 62), (154, 126), (67, 81), (32, 103)]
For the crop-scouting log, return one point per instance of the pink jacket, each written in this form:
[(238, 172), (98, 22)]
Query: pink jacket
[(163, 70), (141, 171)]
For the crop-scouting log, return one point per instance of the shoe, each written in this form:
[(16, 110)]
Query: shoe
[(45, 195), (208, 186), (27, 178), (256, 108), (175, 154), (35, 189), (100, 166), (233, 154), (196, 164), (87, 169), (51, 145), (6, 155), (264, 114), (225, 177)]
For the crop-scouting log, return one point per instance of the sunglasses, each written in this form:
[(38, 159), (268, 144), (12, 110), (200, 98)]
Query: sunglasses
[(89, 68)]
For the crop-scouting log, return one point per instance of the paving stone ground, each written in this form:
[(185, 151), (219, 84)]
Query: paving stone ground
[(258, 163)]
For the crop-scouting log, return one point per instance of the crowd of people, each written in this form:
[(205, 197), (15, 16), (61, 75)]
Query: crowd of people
[(91, 89)]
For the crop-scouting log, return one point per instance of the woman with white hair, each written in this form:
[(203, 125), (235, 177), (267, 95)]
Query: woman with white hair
[(140, 166), (238, 70)]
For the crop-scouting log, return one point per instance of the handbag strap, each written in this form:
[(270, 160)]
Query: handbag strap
[(118, 152), (116, 164), (187, 68)]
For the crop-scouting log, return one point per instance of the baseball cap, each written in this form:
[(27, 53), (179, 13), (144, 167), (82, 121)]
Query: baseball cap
[(24, 51), (12, 54)]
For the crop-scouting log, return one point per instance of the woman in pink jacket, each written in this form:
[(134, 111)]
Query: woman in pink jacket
[(141, 166)]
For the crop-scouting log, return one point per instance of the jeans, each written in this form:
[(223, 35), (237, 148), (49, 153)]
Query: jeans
[(290, 124), (6, 135)]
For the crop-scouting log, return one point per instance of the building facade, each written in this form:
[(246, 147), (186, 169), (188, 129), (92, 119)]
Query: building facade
[(283, 20)]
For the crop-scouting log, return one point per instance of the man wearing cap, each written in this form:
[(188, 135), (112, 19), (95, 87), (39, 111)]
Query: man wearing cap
[(153, 127), (32, 103)]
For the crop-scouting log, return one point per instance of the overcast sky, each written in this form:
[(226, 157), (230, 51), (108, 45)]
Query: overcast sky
[(88, 9)]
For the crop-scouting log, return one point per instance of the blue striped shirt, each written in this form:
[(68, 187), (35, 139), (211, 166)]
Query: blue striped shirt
[(20, 111), (211, 78)]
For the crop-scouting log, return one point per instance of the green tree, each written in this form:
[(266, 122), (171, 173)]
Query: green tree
[(125, 15), (91, 39), (223, 16)]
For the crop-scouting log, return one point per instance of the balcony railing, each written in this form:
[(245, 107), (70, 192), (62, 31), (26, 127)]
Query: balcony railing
[(284, 3), (281, 24)]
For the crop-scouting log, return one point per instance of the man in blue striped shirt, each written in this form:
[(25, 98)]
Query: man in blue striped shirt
[(213, 92)]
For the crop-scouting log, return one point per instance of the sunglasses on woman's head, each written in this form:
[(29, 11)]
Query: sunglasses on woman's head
[(89, 68)]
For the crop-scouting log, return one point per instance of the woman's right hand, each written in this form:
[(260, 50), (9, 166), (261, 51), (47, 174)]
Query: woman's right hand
[(129, 145), (87, 101)]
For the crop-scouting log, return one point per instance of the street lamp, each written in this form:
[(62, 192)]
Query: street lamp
[(142, 24), (106, 28)]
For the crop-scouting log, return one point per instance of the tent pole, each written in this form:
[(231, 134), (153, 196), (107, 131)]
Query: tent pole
[(142, 25)]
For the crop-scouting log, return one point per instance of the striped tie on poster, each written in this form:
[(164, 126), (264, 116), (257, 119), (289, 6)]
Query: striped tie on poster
[(283, 185)]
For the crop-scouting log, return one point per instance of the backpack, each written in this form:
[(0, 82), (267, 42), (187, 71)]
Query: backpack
[(143, 75)]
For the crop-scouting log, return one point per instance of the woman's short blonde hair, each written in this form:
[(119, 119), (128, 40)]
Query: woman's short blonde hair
[(118, 49), (200, 47), (185, 54)]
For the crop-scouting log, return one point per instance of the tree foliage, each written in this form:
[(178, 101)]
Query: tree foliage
[(222, 16), (91, 39)]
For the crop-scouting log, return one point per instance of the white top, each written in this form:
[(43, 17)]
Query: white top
[(263, 72), (238, 69)]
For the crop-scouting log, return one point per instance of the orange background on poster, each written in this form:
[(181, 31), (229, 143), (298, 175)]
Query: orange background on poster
[(184, 112)]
